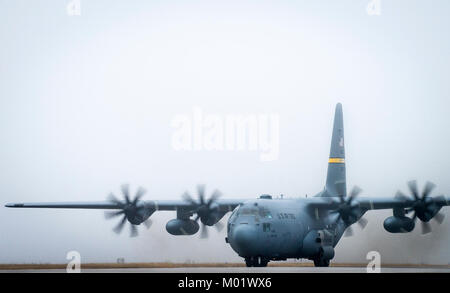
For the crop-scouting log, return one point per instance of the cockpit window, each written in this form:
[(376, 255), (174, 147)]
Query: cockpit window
[(265, 213), (260, 212), (234, 214), (247, 212)]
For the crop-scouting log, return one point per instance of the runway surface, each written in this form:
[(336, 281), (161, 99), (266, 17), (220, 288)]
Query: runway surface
[(239, 270)]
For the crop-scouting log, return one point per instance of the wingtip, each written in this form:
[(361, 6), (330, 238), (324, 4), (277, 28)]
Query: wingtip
[(14, 205)]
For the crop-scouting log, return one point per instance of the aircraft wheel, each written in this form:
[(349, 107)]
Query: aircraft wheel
[(319, 261), (248, 261), (260, 261), (263, 262), (256, 261)]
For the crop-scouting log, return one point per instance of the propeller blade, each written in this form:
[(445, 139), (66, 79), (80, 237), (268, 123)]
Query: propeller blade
[(201, 193), (439, 217), (216, 194), (113, 199), (119, 227), (401, 196), (202, 208), (110, 215), (339, 217), (188, 198), (141, 191), (133, 230), (440, 200), (348, 232), (427, 214), (356, 190), (362, 223), (429, 186), (126, 193), (334, 214), (354, 214), (148, 223), (204, 232), (219, 226), (426, 228), (413, 188), (129, 209)]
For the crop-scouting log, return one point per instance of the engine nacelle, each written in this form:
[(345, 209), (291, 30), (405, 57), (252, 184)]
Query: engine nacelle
[(398, 224), (182, 227)]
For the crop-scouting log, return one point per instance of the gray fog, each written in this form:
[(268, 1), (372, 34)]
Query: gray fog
[(87, 102)]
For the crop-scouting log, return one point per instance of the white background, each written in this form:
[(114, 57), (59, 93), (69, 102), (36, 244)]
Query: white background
[(86, 104)]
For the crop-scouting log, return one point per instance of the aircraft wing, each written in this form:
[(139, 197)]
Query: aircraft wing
[(156, 205), (350, 209), (65, 205), (390, 203), (375, 203), (136, 211)]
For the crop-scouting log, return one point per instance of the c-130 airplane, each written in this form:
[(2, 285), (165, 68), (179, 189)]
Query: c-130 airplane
[(271, 229)]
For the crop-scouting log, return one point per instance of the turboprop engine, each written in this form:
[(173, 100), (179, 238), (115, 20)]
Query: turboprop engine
[(182, 227), (399, 224)]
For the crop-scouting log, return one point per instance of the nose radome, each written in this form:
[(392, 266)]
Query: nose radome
[(245, 240)]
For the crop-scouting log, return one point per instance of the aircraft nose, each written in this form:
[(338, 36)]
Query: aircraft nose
[(245, 240)]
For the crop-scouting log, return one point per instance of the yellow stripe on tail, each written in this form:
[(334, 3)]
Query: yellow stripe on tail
[(336, 160)]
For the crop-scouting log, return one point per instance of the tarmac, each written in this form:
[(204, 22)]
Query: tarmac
[(240, 270)]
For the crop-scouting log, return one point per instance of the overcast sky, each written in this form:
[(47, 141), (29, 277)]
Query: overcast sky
[(87, 102)]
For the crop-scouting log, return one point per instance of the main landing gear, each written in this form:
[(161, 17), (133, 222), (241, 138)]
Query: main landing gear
[(256, 261), (320, 261)]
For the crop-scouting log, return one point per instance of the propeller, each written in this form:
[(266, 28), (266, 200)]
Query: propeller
[(130, 210), (349, 212), (205, 209), (423, 206)]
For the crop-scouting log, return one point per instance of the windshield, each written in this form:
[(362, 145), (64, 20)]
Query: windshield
[(254, 211), (234, 213)]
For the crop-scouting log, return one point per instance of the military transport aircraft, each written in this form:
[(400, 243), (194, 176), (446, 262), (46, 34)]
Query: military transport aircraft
[(266, 228)]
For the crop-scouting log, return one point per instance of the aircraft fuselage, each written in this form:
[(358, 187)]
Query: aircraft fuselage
[(277, 229)]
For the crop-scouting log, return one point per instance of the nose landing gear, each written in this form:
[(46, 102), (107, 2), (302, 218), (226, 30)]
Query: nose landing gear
[(256, 261)]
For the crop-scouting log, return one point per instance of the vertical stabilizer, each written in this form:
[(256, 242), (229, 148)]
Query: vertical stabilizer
[(336, 182)]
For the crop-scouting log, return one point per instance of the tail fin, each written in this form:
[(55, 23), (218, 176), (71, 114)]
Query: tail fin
[(336, 182)]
